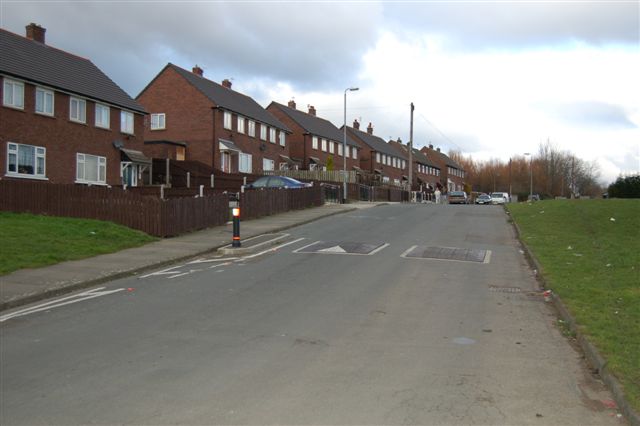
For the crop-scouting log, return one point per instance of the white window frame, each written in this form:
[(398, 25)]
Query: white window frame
[(126, 122), (263, 132), (158, 121), (394, 162), (314, 142), (268, 164), (324, 145), (99, 116), (354, 152), (41, 107), (245, 162), (80, 106), (313, 166), (81, 169), (272, 135), (283, 137), (283, 166), (39, 158), (228, 120), (378, 157), (340, 149), (252, 128), (332, 147), (13, 93), (241, 121)]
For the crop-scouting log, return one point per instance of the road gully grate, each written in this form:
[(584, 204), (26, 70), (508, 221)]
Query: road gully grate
[(505, 289), (448, 253)]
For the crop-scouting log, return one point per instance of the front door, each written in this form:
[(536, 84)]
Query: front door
[(129, 173)]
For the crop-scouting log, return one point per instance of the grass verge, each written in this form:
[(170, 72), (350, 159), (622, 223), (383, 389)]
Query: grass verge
[(589, 252), (31, 241)]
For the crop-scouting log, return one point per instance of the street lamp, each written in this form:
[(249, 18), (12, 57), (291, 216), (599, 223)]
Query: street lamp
[(344, 146), (530, 175)]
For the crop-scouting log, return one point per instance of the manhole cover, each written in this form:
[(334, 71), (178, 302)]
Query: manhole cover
[(448, 253), (342, 247)]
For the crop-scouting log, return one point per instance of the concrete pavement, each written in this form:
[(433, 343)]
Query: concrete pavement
[(30, 285)]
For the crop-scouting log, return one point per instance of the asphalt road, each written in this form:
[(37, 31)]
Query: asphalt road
[(346, 324)]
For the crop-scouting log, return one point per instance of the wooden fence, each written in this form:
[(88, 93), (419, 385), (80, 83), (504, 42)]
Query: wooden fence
[(147, 213)]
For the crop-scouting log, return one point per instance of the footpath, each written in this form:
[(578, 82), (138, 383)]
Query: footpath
[(30, 285)]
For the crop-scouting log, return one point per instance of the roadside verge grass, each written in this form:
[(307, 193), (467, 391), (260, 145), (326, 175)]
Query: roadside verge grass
[(31, 241), (589, 252)]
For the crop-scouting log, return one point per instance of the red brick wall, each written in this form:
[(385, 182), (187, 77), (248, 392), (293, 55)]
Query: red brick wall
[(368, 161), (63, 138), (436, 158)]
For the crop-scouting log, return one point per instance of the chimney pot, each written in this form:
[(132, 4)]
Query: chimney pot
[(430, 146), (370, 128), (35, 32), (197, 70), (356, 125), (292, 104), (226, 83), (312, 110), (438, 149)]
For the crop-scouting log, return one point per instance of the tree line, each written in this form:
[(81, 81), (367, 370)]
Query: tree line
[(549, 173)]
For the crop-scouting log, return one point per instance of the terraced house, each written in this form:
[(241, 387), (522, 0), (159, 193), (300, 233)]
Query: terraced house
[(195, 119), (315, 143), (378, 157), (426, 174), (452, 174), (62, 120)]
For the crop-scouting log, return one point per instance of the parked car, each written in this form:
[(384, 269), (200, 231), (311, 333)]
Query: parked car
[(277, 182), (483, 199), (498, 198), (458, 197)]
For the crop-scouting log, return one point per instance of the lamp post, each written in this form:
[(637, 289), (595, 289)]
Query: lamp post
[(344, 145), (530, 175)]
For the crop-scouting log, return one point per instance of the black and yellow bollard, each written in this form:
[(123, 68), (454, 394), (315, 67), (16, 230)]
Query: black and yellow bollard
[(236, 227)]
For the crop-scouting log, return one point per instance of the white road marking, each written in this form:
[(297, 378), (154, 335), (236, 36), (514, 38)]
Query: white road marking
[(251, 256), (487, 257), (382, 247), (91, 294), (307, 246), (163, 272), (221, 259), (410, 249), (335, 249)]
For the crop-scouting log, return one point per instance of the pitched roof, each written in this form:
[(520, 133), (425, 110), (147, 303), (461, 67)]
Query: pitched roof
[(42, 64), (447, 160), (229, 99), (417, 155), (314, 125), (376, 143)]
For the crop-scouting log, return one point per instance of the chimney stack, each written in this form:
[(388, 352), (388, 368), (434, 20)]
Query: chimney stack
[(356, 125), (430, 146), (226, 83), (197, 70), (370, 128), (292, 104), (438, 149), (312, 110), (35, 32)]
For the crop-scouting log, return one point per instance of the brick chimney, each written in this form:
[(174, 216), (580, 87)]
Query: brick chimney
[(356, 125), (312, 110), (438, 149), (197, 71), (370, 129), (430, 146), (292, 104), (35, 32), (226, 83)]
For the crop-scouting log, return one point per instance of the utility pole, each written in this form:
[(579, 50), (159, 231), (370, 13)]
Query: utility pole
[(411, 151)]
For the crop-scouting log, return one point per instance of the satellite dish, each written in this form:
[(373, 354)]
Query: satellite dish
[(117, 144), (263, 147)]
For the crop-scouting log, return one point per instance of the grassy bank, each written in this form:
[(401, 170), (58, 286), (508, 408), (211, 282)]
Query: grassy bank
[(30, 241), (589, 251)]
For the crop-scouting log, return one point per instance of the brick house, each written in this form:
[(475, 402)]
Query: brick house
[(451, 173), (62, 120), (378, 157), (314, 140), (425, 173), (193, 118)]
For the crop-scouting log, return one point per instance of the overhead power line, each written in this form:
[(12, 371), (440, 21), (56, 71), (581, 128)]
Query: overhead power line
[(439, 131)]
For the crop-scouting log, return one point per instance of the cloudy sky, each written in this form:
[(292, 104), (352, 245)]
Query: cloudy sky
[(493, 79)]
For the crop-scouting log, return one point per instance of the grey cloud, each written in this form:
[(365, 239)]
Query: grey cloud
[(310, 45), (478, 25), (591, 114)]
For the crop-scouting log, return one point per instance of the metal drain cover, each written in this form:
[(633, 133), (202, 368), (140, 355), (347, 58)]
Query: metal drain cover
[(505, 289), (448, 253)]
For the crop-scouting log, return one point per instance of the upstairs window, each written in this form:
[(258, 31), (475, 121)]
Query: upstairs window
[(77, 110), (103, 114), (227, 120), (126, 122), (263, 132), (44, 101), (331, 147), (240, 124), (377, 157), (158, 121), (26, 160), (340, 149), (13, 94), (354, 152), (324, 145), (314, 142), (272, 135), (252, 128), (283, 137)]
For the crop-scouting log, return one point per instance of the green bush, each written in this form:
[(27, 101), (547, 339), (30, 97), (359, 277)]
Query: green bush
[(627, 187)]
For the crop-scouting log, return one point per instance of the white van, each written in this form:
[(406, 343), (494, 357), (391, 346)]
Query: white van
[(499, 197)]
